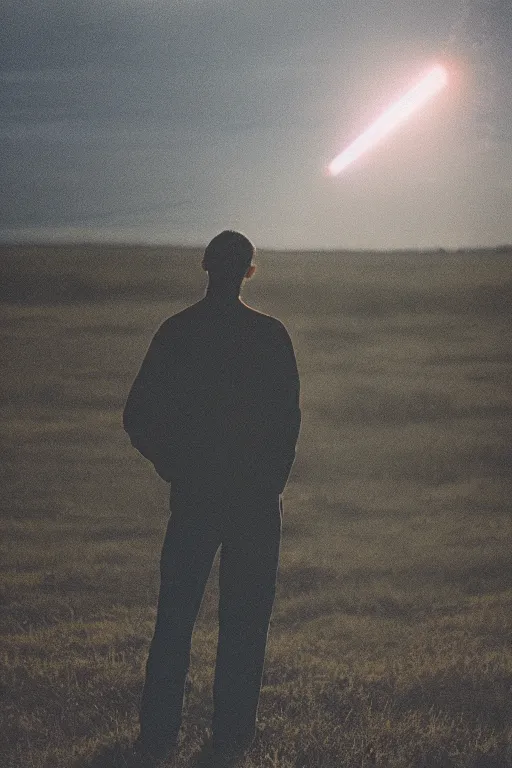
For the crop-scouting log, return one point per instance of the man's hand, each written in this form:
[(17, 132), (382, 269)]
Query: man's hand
[(147, 449)]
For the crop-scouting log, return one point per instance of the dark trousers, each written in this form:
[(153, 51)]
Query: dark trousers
[(248, 530)]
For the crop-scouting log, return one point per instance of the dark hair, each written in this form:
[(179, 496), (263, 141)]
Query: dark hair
[(229, 254)]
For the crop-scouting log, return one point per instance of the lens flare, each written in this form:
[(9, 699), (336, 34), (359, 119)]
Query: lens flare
[(418, 95)]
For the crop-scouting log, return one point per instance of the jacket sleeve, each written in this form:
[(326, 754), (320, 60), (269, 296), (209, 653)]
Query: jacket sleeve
[(149, 401), (288, 413)]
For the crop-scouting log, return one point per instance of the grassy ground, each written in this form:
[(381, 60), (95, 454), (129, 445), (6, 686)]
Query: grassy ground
[(388, 644)]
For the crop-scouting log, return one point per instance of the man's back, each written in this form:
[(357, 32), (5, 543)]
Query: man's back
[(217, 397)]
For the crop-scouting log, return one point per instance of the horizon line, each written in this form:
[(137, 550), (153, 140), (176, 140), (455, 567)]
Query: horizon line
[(435, 249)]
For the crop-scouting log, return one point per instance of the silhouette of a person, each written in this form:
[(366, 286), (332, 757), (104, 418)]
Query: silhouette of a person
[(215, 408)]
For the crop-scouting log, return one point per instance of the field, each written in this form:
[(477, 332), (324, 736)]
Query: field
[(389, 644)]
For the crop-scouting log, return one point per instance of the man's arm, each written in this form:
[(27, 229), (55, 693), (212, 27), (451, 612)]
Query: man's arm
[(288, 415), (148, 402)]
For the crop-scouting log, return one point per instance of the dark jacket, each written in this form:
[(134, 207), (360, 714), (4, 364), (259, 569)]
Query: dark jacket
[(216, 400)]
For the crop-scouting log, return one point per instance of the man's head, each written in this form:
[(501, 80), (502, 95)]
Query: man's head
[(228, 257)]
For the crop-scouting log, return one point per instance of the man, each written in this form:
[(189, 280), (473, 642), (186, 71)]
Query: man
[(215, 408)]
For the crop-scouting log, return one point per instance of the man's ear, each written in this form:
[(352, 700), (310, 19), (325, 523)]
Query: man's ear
[(203, 265), (250, 272)]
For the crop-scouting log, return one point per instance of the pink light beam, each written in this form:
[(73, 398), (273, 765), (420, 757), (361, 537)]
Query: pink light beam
[(418, 95)]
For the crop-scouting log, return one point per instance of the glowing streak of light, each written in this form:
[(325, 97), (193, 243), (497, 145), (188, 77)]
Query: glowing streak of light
[(427, 87)]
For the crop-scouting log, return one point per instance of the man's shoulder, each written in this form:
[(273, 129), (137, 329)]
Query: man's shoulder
[(265, 320), (180, 320), (260, 317)]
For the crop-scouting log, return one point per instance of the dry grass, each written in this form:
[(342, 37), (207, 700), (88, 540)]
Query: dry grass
[(388, 644)]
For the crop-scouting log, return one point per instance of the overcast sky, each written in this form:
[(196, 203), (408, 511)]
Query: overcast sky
[(153, 121)]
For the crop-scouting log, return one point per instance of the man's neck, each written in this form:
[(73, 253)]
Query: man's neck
[(222, 292)]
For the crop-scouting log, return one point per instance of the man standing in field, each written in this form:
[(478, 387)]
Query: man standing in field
[(215, 408)]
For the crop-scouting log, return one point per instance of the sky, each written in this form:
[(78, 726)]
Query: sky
[(165, 122)]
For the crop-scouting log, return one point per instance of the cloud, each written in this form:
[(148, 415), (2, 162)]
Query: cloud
[(169, 117), (197, 36)]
